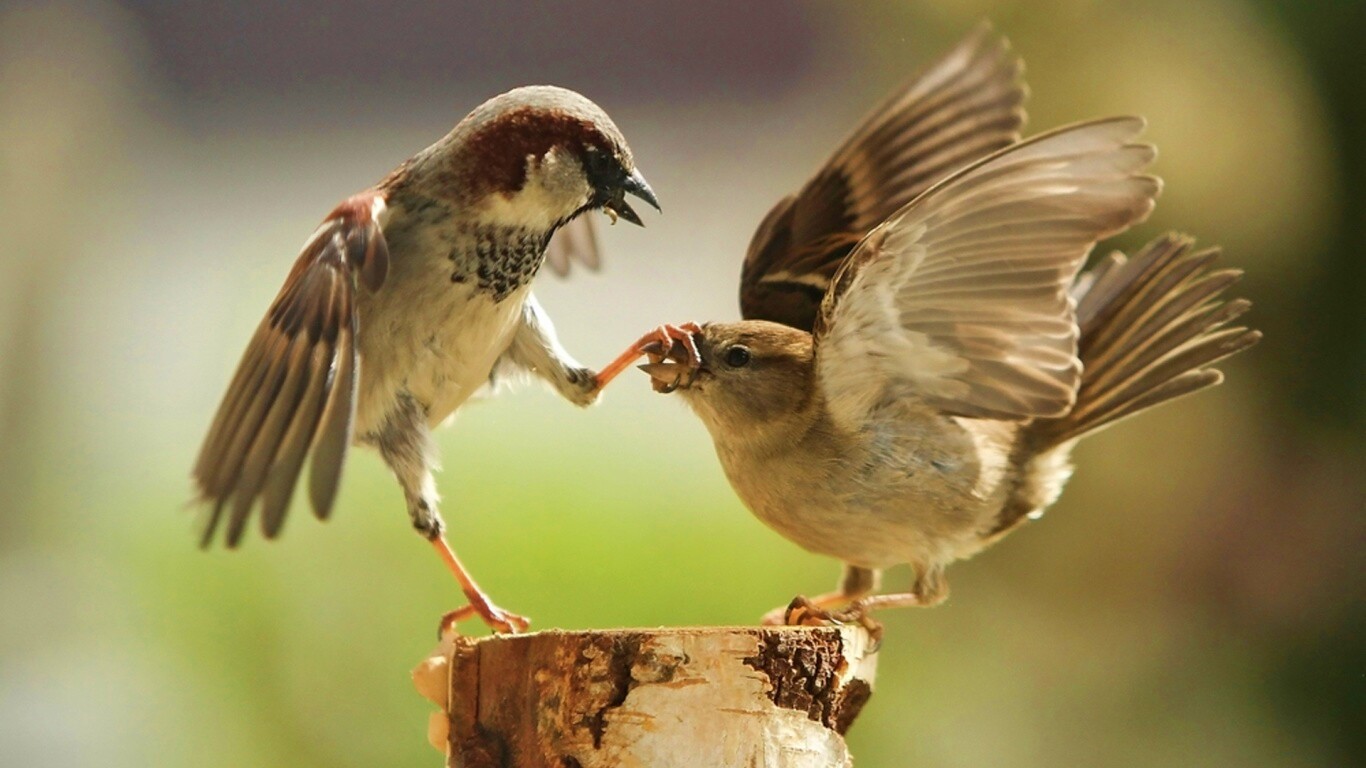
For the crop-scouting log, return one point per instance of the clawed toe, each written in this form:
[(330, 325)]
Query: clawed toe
[(674, 342), (451, 618), (501, 621), (505, 622), (674, 357), (802, 612)]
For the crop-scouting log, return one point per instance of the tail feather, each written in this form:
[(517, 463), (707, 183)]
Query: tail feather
[(1184, 314), (1150, 327)]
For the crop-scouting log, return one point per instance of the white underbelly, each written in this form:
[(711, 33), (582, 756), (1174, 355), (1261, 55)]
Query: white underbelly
[(440, 355), (461, 354)]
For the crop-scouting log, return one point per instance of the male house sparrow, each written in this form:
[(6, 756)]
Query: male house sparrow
[(402, 303), (907, 385)]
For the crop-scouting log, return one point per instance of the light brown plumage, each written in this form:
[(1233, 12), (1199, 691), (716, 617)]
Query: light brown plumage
[(955, 358), (963, 295), (1150, 327)]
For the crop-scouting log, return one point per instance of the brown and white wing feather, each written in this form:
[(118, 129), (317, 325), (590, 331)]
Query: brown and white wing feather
[(575, 242), (294, 392), (966, 105), (1151, 328), (961, 298)]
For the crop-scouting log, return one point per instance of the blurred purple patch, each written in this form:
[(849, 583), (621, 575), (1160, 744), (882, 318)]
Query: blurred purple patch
[(639, 51)]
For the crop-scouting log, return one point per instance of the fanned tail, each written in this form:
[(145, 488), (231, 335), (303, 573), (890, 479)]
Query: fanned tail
[(1151, 326)]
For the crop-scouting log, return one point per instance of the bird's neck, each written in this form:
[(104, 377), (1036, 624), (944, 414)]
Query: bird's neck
[(763, 438), (494, 258), (529, 210)]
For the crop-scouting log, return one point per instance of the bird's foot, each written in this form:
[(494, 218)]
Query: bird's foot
[(804, 612), (497, 619), (658, 344), (674, 357), (823, 605), (450, 619), (503, 621)]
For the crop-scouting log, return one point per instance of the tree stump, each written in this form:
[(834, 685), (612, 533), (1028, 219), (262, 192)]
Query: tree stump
[(720, 696)]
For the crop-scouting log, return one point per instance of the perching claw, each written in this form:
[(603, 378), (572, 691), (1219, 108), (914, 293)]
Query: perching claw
[(802, 612)]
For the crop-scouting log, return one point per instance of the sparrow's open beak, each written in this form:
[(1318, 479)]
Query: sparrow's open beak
[(670, 370), (664, 373), (634, 184)]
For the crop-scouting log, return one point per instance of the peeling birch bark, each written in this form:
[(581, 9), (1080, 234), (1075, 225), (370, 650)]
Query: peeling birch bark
[(748, 696)]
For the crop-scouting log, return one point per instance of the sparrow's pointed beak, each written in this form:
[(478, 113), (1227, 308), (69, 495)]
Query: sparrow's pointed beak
[(634, 184), (621, 209), (638, 186), (667, 376)]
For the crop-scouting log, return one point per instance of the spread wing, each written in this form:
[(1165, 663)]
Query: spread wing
[(961, 298), (293, 395), (576, 241), (963, 107)]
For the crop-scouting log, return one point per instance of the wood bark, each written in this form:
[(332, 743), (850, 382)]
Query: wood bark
[(724, 696)]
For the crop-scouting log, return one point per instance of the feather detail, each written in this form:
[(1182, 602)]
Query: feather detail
[(1150, 327), (294, 391), (961, 108), (961, 298)]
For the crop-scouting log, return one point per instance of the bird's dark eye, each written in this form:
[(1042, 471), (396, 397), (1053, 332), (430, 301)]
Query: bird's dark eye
[(737, 356), (599, 167)]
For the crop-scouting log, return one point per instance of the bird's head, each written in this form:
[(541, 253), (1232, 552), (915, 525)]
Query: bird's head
[(746, 375), (538, 156)]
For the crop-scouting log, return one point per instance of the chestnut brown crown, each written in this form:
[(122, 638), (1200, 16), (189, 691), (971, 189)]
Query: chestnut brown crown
[(546, 136)]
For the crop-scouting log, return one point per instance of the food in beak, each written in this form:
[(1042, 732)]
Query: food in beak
[(672, 369)]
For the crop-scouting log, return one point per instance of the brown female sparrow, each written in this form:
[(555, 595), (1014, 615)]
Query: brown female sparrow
[(908, 384), (403, 303)]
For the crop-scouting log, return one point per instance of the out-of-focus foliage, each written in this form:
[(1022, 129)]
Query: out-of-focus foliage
[(1196, 598)]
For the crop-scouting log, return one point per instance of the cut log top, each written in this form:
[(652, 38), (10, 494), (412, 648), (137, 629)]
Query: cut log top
[(706, 696)]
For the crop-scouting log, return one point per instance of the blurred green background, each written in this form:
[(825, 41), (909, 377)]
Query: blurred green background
[(1196, 598)]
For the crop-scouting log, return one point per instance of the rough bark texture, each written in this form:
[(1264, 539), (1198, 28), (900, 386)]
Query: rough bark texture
[(745, 696)]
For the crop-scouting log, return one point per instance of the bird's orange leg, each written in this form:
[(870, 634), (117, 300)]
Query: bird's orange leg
[(496, 618), (899, 600), (659, 341)]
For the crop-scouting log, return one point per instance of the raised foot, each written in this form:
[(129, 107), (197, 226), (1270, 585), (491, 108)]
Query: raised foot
[(674, 357), (674, 341)]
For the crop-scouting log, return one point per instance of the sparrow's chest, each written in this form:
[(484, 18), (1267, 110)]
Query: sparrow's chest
[(429, 237), (448, 309), (494, 260), (904, 489)]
